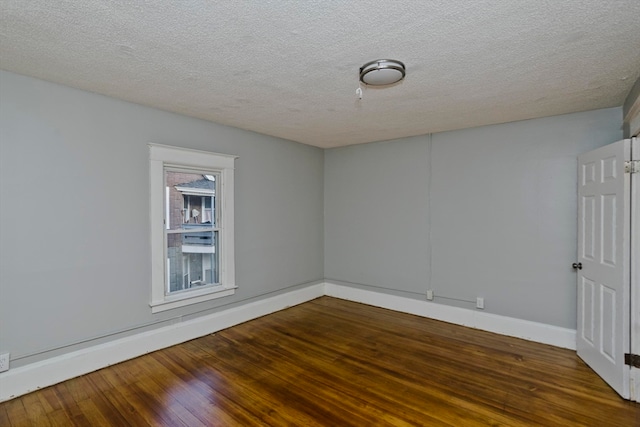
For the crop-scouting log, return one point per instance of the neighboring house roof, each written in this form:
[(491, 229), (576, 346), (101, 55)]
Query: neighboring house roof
[(201, 183), (201, 187)]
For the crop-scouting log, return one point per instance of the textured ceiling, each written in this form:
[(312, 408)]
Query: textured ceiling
[(289, 68)]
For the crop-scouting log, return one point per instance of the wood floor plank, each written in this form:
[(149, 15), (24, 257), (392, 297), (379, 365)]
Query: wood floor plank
[(331, 362), (191, 373), (4, 418), (36, 414), (60, 418), (146, 396), (258, 390), (93, 414), (516, 359), (203, 404), (289, 377), (65, 392), (231, 389), (53, 407), (107, 409), (16, 412), (312, 407), (411, 397)]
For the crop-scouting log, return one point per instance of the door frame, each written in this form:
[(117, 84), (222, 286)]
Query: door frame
[(634, 375)]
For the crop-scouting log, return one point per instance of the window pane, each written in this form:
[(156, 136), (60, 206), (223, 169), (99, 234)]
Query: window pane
[(190, 200), (192, 260), (192, 253)]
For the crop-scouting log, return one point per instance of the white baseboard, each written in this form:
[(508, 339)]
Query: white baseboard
[(24, 379), (634, 385), (532, 331)]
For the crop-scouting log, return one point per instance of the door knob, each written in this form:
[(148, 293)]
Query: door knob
[(577, 265)]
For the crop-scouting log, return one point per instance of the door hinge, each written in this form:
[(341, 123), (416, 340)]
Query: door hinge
[(632, 360), (632, 166)]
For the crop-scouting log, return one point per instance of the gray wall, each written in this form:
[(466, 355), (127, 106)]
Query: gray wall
[(74, 210), (488, 211), (376, 215)]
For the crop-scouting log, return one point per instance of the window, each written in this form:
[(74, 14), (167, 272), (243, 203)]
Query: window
[(192, 243)]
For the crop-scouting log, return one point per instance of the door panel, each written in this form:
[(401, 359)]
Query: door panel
[(603, 250), (587, 291), (588, 227)]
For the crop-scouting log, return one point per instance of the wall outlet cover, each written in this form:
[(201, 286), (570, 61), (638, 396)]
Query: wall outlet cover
[(4, 362)]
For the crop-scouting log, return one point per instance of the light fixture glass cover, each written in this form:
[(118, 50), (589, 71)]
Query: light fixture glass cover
[(382, 72)]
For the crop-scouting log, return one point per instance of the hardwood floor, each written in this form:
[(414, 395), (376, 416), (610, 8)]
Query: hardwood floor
[(330, 362)]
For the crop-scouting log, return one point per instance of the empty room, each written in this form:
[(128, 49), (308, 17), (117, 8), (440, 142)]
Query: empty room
[(319, 213)]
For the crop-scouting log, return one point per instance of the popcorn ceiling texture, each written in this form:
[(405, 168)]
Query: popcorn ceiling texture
[(290, 68)]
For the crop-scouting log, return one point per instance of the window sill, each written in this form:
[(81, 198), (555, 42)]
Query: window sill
[(192, 297)]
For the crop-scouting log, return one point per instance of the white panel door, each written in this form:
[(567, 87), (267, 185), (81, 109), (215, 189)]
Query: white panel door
[(604, 254)]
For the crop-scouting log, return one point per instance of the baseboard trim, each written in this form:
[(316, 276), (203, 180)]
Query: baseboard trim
[(24, 379), (531, 331), (634, 385)]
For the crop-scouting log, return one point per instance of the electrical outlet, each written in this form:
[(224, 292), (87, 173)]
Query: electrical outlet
[(480, 303), (430, 295), (4, 362)]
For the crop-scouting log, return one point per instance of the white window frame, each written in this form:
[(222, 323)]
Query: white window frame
[(161, 157)]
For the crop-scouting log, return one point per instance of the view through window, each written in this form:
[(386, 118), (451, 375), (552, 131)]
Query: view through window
[(192, 233)]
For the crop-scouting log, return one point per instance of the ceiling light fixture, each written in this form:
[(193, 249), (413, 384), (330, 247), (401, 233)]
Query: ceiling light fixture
[(382, 72)]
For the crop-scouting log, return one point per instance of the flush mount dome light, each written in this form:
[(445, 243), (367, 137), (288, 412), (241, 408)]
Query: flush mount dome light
[(382, 72)]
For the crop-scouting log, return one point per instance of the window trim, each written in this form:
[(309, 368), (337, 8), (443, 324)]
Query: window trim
[(161, 156)]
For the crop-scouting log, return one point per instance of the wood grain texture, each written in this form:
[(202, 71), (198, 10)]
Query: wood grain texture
[(331, 362)]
